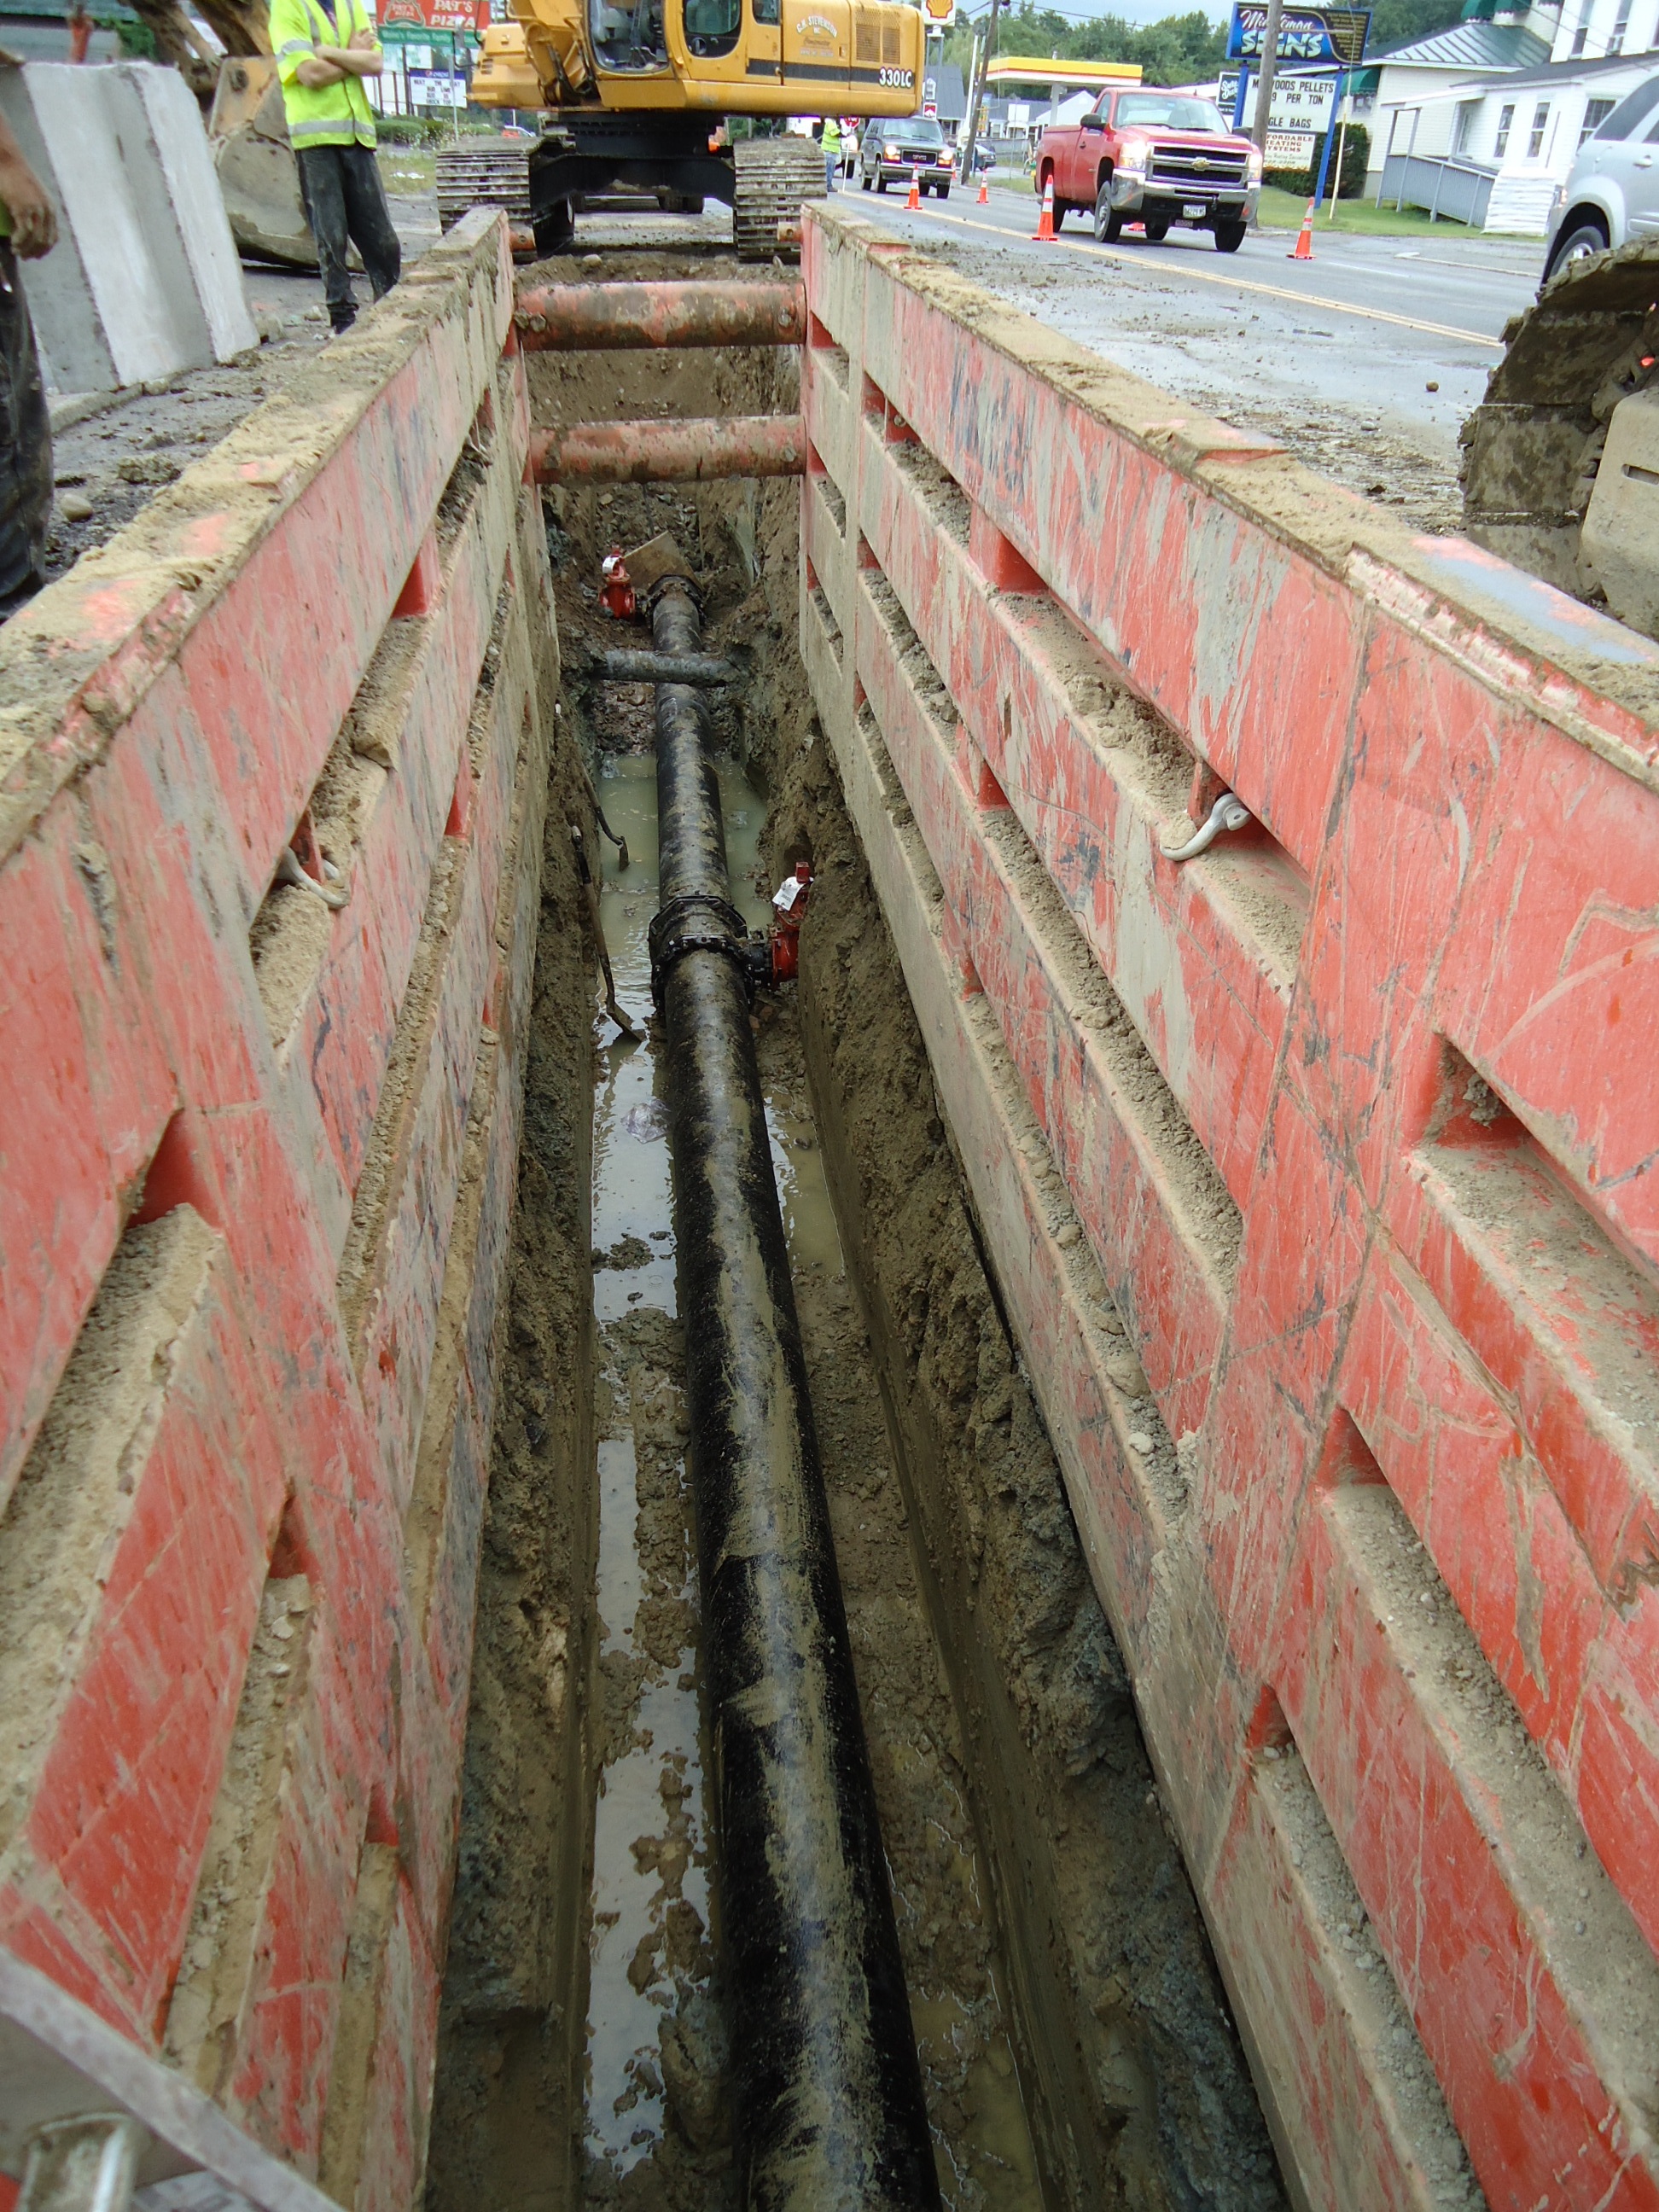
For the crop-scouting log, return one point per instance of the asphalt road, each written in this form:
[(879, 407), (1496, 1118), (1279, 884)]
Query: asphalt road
[(1365, 361)]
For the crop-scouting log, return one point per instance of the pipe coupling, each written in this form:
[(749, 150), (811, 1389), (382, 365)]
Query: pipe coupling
[(683, 926)]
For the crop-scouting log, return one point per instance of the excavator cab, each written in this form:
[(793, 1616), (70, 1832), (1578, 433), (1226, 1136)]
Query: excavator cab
[(634, 93)]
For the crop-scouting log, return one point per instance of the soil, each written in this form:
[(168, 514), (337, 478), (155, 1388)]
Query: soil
[(1075, 2042)]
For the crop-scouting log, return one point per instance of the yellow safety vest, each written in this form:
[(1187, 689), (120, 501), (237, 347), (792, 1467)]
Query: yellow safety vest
[(324, 114)]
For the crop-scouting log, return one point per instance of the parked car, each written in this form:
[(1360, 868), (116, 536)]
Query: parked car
[(1612, 191), (894, 145), (1156, 158)]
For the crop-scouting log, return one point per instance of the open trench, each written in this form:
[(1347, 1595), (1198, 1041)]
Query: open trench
[(1075, 2047)]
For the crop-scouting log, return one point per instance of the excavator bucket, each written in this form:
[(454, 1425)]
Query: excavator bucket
[(248, 132)]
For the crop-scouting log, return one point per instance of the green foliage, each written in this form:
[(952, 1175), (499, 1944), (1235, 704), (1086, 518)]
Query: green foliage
[(1397, 22), (1179, 50), (138, 40), (1356, 151)]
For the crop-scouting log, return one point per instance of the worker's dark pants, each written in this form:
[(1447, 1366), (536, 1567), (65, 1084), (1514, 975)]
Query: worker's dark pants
[(25, 448), (345, 200)]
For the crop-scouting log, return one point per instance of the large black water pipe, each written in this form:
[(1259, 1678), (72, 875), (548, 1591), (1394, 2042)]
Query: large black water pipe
[(829, 2114)]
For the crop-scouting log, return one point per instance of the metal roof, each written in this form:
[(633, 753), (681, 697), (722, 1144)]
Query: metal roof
[(1473, 46), (1639, 67)]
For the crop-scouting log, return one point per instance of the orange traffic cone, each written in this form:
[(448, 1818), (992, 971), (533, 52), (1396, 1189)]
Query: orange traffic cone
[(914, 200), (1303, 250), (1046, 220), (984, 199)]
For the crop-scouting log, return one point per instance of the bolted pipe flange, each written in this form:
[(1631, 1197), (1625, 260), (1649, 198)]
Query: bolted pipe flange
[(674, 933)]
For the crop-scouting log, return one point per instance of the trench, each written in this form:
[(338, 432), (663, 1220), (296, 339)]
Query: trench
[(1076, 2045)]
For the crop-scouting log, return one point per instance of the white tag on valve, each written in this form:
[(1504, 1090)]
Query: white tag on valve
[(787, 893)]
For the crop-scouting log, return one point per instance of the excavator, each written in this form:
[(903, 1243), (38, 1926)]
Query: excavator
[(1560, 461), (635, 94)]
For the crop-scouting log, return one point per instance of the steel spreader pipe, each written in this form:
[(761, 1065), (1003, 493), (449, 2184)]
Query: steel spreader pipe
[(583, 318), (829, 2112), (702, 669), (666, 451)]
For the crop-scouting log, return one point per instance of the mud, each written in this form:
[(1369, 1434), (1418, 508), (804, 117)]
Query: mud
[(1075, 2043)]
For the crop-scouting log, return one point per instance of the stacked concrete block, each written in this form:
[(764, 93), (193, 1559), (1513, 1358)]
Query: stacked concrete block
[(144, 280)]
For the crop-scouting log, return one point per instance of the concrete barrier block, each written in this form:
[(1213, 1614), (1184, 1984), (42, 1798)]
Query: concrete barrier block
[(144, 281)]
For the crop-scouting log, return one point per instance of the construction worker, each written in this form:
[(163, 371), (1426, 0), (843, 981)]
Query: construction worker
[(28, 227), (324, 50), (831, 152), (80, 30)]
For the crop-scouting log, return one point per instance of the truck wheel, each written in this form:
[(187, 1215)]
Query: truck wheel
[(865, 180), (1229, 237), (1109, 224), (881, 184), (1062, 209), (1156, 231), (944, 190)]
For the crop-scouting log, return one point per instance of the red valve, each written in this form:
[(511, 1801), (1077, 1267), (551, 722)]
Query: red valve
[(615, 586), (789, 902)]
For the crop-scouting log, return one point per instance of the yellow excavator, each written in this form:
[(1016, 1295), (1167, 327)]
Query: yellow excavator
[(634, 93)]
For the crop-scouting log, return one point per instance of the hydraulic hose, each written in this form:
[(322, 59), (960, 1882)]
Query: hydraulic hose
[(829, 2113)]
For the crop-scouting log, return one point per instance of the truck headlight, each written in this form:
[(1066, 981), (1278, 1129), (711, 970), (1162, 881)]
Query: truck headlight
[(1253, 170)]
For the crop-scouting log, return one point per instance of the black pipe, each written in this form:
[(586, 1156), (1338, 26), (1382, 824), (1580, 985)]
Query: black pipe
[(829, 2110), (622, 666)]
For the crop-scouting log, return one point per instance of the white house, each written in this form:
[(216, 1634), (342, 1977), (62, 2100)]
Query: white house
[(1417, 74), (1492, 150)]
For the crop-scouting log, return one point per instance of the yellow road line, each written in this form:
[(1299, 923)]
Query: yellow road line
[(1242, 284)]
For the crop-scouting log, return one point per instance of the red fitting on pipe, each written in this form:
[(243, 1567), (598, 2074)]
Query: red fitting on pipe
[(789, 902), (617, 586), (668, 451), (576, 318)]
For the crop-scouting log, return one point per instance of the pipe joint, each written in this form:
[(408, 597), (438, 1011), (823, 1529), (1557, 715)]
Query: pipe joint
[(682, 925)]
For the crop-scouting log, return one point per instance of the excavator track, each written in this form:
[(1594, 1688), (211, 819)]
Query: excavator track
[(483, 173), (1532, 451), (775, 176)]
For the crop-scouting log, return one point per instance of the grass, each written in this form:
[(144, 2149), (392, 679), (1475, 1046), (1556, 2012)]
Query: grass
[(409, 171), (1278, 210)]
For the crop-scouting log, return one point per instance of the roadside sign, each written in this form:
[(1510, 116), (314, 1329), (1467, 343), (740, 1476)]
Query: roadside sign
[(1300, 104), (939, 15), (414, 17), (1305, 35), (1289, 150)]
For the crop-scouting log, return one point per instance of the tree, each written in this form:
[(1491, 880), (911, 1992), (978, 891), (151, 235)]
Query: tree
[(1397, 22)]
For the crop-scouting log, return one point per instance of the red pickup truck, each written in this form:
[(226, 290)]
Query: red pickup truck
[(1156, 158)]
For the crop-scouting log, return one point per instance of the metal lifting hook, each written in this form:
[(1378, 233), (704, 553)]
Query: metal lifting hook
[(1227, 813)]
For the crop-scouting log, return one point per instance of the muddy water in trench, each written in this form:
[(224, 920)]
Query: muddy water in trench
[(657, 2129)]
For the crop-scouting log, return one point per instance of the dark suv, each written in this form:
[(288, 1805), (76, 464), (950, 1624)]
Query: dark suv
[(894, 145)]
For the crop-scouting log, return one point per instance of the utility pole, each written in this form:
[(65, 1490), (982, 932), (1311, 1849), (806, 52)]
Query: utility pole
[(976, 94), (1264, 83)]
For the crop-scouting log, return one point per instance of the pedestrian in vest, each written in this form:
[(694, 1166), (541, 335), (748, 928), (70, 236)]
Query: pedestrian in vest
[(831, 152), (324, 50)]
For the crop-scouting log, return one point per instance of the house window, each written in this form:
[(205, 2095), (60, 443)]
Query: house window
[(1581, 29), (1467, 111), (1621, 24), (1506, 117), (1596, 113), (1541, 116)]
